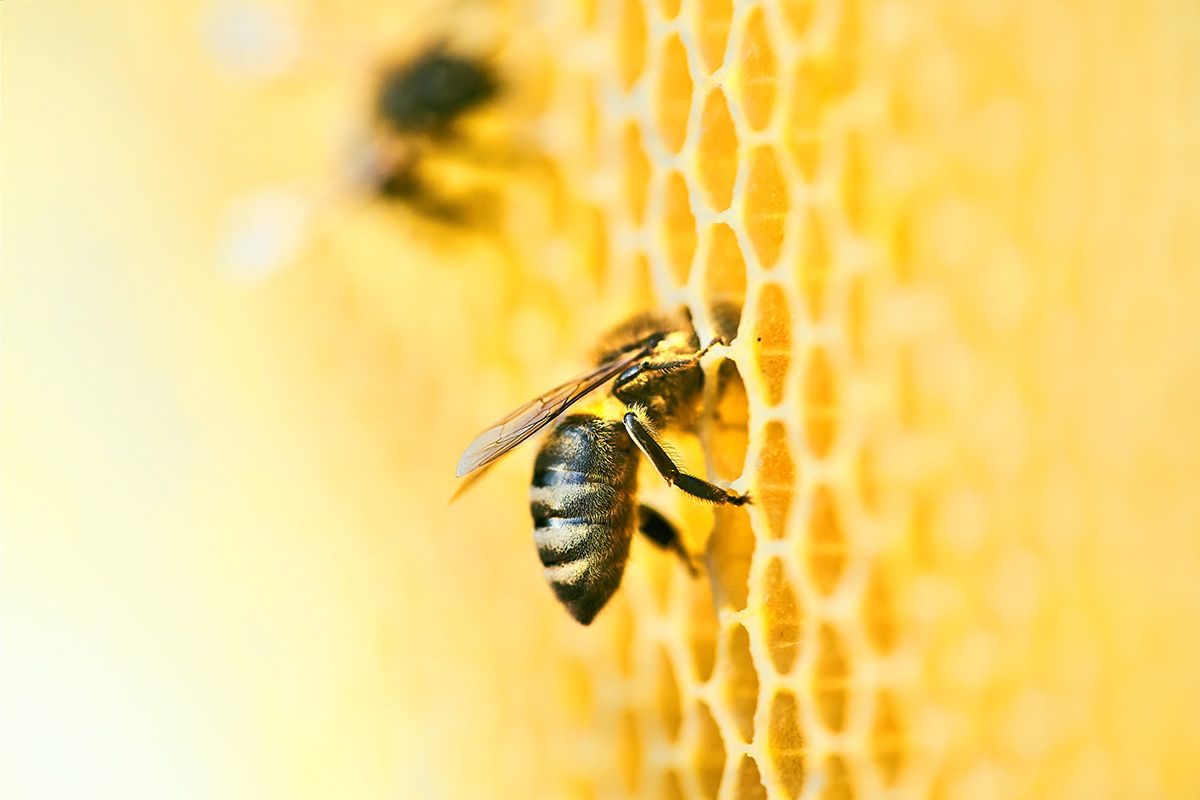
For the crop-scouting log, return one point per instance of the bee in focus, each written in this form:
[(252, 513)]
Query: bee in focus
[(584, 492), (420, 108)]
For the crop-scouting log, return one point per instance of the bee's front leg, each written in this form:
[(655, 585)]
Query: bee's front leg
[(645, 367)]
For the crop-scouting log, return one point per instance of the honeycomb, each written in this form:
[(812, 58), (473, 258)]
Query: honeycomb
[(964, 235), (902, 196), (736, 136)]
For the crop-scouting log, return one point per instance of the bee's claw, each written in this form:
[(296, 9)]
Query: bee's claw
[(720, 340)]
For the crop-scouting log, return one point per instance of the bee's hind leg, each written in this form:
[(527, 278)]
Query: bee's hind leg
[(643, 436), (658, 529)]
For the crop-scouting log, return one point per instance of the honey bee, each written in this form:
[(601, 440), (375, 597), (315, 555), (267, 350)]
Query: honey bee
[(415, 151), (584, 491), (419, 108)]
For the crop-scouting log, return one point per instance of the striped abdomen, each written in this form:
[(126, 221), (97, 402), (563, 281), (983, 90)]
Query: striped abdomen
[(583, 508)]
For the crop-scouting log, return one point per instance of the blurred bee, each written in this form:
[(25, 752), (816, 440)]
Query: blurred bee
[(418, 152), (584, 493), (419, 109)]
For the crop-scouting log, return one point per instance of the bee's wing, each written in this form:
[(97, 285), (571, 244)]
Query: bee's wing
[(530, 418)]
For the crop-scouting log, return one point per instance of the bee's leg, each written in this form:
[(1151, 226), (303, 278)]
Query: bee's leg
[(404, 185), (646, 440), (643, 367), (658, 529)]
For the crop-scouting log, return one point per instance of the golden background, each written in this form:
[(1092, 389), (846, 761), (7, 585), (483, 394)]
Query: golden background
[(968, 239)]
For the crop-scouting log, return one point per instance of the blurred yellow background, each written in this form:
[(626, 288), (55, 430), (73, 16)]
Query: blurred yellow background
[(230, 569), (968, 238)]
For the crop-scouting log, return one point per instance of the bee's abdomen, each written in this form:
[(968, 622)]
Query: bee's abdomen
[(583, 511), (571, 520)]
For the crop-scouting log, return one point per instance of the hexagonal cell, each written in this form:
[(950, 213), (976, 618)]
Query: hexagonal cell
[(775, 481), (668, 696), (826, 542), (799, 14), (620, 617), (857, 317), (730, 549), (867, 478), (853, 185), (741, 688), (749, 784), (671, 787), (805, 130), (702, 628), (630, 752), (717, 155), (887, 742), (758, 71), (659, 566), (878, 613), (713, 18), (831, 678), (821, 81), (724, 315), (669, 8), (590, 117), (678, 227), (842, 67), (773, 340), (674, 100), (820, 401), (595, 243), (785, 743), (637, 171), (727, 431), (837, 779), (905, 258), (575, 690), (631, 43), (641, 285), (766, 205), (782, 617), (709, 759), (724, 276), (813, 266)]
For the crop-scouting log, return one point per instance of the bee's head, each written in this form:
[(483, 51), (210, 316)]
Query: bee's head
[(430, 93)]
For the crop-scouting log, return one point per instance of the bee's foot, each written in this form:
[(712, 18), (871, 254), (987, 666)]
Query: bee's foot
[(719, 340)]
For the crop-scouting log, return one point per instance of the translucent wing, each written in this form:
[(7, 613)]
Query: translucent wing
[(530, 418)]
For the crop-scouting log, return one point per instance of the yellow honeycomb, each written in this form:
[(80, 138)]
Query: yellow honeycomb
[(899, 194), (966, 239)]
